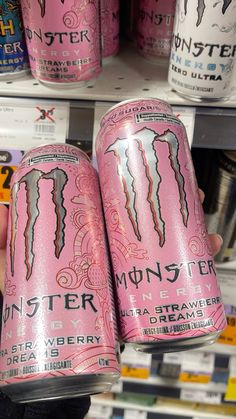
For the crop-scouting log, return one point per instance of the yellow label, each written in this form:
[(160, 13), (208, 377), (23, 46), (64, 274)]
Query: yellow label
[(230, 394), (187, 377), (6, 173), (228, 336), (128, 371)]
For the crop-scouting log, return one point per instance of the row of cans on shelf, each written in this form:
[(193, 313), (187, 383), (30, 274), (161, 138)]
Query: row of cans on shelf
[(62, 42), (65, 40), (59, 334)]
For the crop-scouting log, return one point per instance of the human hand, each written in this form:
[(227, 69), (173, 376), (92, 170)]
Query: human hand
[(215, 239)]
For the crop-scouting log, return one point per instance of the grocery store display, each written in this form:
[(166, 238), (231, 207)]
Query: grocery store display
[(13, 52), (220, 207), (110, 27), (167, 292), (203, 49), (59, 335), (63, 40), (187, 385), (154, 24)]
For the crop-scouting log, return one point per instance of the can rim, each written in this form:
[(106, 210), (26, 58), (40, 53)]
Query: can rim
[(123, 102), (231, 154), (57, 144)]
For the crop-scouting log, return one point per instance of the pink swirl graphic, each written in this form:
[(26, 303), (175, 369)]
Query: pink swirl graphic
[(70, 19), (196, 246), (67, 278)]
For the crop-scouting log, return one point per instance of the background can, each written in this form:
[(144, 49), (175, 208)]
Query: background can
[(220, 204), (63, 40), (58, 330), (203, 49), (167, 292), (110, 27), (128, 10), (13, 52), (155, 20)]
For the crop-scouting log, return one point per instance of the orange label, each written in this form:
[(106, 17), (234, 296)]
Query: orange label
[(228, 336), (188, 377), (128, 371), (6, 173)]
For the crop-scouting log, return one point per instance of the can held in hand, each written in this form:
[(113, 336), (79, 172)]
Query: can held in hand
[(63, 40), (13, 51), (220, 205), (58, 325), (203, 49), (155, 20), (110, 27), (165, 279)]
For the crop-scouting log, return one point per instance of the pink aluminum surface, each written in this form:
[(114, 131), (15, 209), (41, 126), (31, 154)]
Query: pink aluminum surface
[(58, 314), (163, 265)]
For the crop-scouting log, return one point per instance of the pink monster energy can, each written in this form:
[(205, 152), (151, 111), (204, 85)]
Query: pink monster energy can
[(110, 27), (63, 40), (155, 20), (168, 295), (58, 326)]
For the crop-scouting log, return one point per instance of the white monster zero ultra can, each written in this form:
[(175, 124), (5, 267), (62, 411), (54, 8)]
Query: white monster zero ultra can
[(203, 49)]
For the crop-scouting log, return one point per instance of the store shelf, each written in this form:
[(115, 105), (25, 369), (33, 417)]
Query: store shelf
[(125, 76), (161, 409), (169, 382), (218, 348)]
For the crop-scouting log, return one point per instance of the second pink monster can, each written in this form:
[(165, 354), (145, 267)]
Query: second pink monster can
[(165, 277), (63, 40), (59, 335), (154, 28), (110, 27)]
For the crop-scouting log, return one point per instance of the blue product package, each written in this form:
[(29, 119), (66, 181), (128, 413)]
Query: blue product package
[(13, 51)]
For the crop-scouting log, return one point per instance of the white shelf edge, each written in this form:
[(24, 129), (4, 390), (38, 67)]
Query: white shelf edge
[(171, 410), (124, 76), (169, 382), (219, 349)]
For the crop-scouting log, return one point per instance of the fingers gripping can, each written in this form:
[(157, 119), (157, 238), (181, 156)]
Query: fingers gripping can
[(168, 295), (63, 40), (58, 330)]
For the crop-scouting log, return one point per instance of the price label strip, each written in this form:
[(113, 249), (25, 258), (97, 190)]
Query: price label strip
[(134, 364), (98, 411), (9, 160), (228, 336), (198, 396), (230, 395), (197, 367), (134, 414), (31, 123), (117, 387)]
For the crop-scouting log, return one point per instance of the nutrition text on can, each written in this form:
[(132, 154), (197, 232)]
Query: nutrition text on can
[(165, 278)]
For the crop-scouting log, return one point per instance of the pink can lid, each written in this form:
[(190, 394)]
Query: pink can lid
[(53, 148), (160, 106)]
